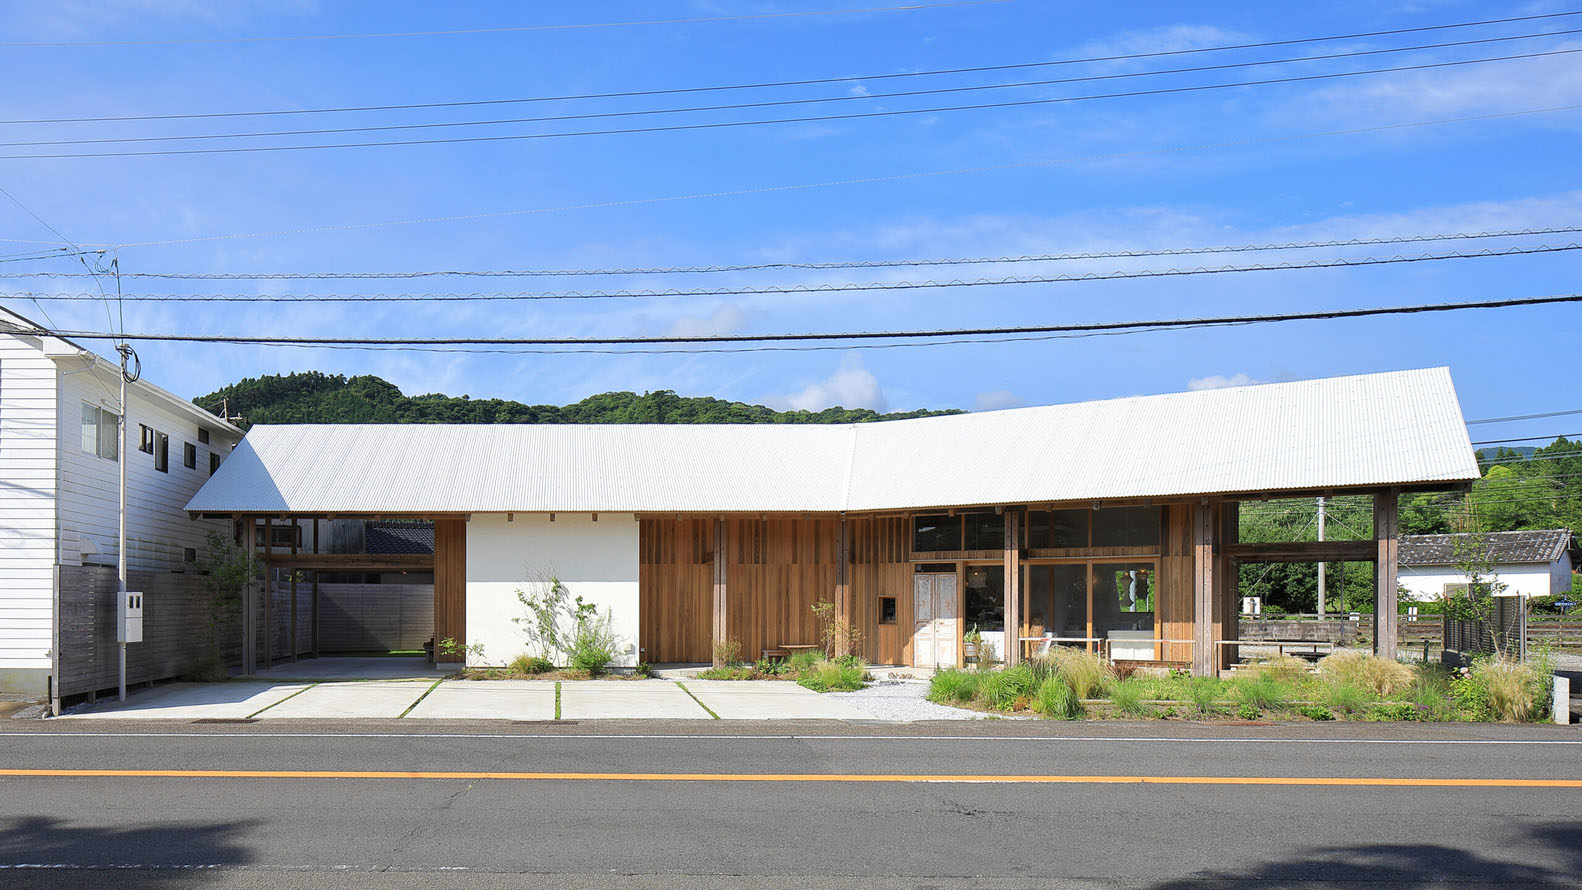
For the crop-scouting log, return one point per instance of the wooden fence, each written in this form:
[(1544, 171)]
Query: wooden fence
[(375, 617)]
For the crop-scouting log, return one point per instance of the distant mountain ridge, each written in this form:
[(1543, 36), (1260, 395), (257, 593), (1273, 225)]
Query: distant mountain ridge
[(315, 397)]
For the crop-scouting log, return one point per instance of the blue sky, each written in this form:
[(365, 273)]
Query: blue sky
[(1234, 166)]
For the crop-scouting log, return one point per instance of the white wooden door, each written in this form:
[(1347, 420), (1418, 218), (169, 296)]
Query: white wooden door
[(934, 609)]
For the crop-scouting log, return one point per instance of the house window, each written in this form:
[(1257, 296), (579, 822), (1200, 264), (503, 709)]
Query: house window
[(936, 533), (145, 439), (886, 610), (1127, 526), (100, 431), (1047, 529), (214, 462), (203, 436), (161, 452), (285, 536), (984, 531), (189, 555), (189, 455)]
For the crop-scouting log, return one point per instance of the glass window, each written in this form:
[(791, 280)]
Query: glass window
[(936, 533), (161, 452), (985, 600), (203, 435), (1126, 526), (1057, 600), (90, 429), (189, 455), (1057, 528), (214, 463), (145, 439), (886, 610), (109, 434), (984, 531), (1123, 598)]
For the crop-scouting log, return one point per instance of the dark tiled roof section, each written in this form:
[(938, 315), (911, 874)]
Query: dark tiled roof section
[(391, 538), (1545, 545)]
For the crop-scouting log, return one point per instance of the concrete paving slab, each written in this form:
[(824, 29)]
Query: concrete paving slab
[(192, 701), (770, 700), (628, 699), (332, 668), (388, 698), (488, 699)]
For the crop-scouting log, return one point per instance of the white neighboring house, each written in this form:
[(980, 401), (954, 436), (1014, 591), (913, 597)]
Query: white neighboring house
[(1527, 563), (59, 483)]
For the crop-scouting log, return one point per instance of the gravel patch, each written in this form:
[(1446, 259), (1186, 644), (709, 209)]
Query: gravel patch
[(902, 701)]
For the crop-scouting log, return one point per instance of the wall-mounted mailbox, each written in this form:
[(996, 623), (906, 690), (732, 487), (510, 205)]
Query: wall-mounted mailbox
[(129, 618)]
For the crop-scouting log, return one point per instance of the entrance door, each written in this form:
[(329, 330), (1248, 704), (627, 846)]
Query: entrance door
[(934, 605)]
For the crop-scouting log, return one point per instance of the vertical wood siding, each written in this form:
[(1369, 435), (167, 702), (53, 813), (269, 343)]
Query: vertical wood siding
[(371, 617), (450, 580), (675, 577), (776, 569), (880, 553), (1175, 583)]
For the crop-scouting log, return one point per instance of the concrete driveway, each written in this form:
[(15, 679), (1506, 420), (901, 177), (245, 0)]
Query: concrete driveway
[(426, 699)]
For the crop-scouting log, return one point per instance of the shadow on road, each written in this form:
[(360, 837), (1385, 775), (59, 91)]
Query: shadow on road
[(1547, 854), (42, 852)]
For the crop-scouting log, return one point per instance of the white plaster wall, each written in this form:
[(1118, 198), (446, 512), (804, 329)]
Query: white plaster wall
[(1560, 574), (1520, 579), (596, 560)]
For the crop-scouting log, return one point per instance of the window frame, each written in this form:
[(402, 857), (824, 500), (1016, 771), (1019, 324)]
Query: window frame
[(189, 455), (161, 452), (145, 438), (214, 462)]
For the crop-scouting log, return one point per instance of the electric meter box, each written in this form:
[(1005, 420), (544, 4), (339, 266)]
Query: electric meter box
[(129, 618)]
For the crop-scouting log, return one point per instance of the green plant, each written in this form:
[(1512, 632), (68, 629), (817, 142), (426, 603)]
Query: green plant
[(950, 686), (1248, 712), (801, 662), (1345, 698), (553, 617), (1086, 673), (727, 652), (1054, 698), (1511, 688), (1315, 712), (1260, 692), (840, 636), (770, 667), (1392, 712), (205, 668), (529, 664), (831, 676), (593, 644), (1001, 689), (1283, 668), (1380, 676), (727, 672), (1205, 693), (225, 572), (456, 651), (1127, 696), (643, 669)]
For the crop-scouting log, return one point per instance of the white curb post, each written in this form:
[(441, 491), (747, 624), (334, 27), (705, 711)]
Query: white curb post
[(1562, 701)]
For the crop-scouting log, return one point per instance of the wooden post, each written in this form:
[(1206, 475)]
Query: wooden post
[(269, 594), (843, 603), (296, 532), (1013, 588), (249, 603), (313, 608), (721, 624), (1204, 661), (1386, 534), (1228, 593)]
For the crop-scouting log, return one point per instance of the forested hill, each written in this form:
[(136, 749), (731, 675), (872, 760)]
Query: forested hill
[(312, 397)]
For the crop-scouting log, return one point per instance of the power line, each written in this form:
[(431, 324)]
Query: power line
[(779, 103), (188, 41), (849, 287), (845, 337), (1527, 416), (832, 183), (863, 115), (803, 82), (1572, 436)]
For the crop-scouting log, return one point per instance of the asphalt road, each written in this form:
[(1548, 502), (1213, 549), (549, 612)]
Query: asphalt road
[(1045, 806)]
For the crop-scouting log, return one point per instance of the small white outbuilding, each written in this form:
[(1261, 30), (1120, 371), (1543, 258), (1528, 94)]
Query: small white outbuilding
[(1525, 563)]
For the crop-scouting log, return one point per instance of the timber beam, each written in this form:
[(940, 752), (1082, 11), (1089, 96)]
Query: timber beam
[(1303, 551)]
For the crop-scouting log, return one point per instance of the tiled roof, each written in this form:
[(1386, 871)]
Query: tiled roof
[(1397, 428), (390, 538), (1544, 545)]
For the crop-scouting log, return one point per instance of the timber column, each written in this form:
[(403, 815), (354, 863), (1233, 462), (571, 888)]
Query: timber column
[(843, 603), (721, 616), (1204, 659), (1013, 588), (1386, 534)]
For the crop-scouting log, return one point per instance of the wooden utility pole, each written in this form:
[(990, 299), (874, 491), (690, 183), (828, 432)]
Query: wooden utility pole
[(1321, 565)]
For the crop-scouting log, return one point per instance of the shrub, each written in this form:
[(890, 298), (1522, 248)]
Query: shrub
[(643, 669), (1392, 712), (1260, 692), (1315, 712), (953, 686), (1370, 673), (1205, 693), (1283, 668), (529, 664), (1001, 689), (1345, 698), (206, 668), (832, 676), (770, 667), (593, 645), (1512, 688), (1127, 696), (1248, 712), (728, 672), (728, 652), (1056, 699), (1086, 673), (799, 663)]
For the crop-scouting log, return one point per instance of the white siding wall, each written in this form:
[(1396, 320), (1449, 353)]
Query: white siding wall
[(594, 560), (157, 527), (1520, 579), (27, 511)]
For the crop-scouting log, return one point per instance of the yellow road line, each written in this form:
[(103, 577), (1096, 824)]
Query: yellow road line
[(905, 778)]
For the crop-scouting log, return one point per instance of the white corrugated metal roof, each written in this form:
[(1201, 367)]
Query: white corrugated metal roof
[(1398, 428)]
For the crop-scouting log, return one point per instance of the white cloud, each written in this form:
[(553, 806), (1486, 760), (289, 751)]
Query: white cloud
[(851, 386), (997, 399), (727, 319), (1220, 381)]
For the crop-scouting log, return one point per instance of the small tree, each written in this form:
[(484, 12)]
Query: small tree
[(1475, 602), (840, 636), (225, 571), (553, 617)]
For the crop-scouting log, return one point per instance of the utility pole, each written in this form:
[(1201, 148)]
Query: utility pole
[(1321, 566), (120, 545)]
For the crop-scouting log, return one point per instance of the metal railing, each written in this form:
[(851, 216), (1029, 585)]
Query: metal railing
[(1101, 645)]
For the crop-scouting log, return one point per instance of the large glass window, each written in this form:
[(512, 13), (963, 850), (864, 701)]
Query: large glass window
[(985, 600), (1057, 528), (100, 431), (936, 533), (1123, 597), (984, 531), (1126, 526), (1057, 600)]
